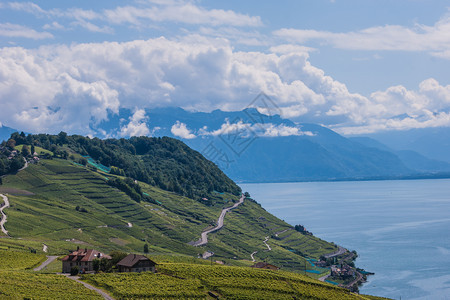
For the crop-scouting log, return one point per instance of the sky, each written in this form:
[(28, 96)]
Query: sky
[(355, 66)]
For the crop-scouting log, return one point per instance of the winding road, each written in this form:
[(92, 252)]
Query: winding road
[(76, 278), (265, 243), (3, 220), (5, 199), (50, 259), (341, 250), (204, 238), (253, 258)]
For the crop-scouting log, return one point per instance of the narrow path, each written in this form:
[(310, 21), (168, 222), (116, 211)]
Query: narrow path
[(5, 199), (24, 166), (204, 238), (265, 242), (253, 258), (87, 285), (341, 250), (357, 279), (3, 220), (323, 278), (50, 259)]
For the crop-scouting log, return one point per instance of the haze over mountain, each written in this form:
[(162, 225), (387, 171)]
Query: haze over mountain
[(253, 147), (250, 146)]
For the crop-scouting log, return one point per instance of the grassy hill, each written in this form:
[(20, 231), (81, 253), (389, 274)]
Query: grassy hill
[(177, 277), (44, 199), (70, 200)]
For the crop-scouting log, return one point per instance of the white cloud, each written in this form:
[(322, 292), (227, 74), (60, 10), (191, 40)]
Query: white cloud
[(283, 130), (53, 26), (195, 73), (433, 39), (15, 30), (181, 12), (28, 7), (136, 126), (240, 128), (180, 129), (141, 14)]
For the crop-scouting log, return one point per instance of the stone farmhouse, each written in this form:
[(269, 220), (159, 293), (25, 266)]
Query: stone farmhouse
[(83, 259), (136, 263)]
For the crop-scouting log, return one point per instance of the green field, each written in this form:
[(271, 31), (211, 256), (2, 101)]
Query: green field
[(17, 281), (15, 260), (44, 198), (194, 281)]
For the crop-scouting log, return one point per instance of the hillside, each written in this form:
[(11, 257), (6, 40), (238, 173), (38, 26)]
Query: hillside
[(66, 199), (63, 204), (178, 277)]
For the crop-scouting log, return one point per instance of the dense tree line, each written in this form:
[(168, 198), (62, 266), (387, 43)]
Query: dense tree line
[(11, 161), (164, 162)]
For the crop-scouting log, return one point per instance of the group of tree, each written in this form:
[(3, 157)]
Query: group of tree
[(129, 187), (163, 162), (302, 230), (10, 161)]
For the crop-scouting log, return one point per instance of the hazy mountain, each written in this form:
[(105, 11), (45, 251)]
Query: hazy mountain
[(433, 143), (249, 146), (411, 159), (5, 132)]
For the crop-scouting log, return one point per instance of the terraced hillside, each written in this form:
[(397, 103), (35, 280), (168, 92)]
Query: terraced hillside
[(194, 281), (18, 281), (64, 205)]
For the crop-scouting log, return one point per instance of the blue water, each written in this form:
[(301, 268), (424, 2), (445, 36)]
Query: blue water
[(400, 229)]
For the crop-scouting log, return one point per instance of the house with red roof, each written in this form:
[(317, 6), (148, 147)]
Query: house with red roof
[(83, 259)]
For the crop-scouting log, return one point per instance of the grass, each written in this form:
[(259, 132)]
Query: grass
[(37, 149), (26, 285), (43, 210), (194, 281), (15, 260)]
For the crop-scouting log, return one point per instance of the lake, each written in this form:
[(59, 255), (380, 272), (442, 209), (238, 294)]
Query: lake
[(400, 229)]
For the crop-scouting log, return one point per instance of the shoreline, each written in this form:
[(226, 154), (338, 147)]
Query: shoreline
[(352, 179)]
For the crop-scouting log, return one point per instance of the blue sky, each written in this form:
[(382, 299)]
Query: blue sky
[(356, 66)]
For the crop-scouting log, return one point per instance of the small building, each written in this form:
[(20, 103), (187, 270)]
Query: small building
[(264, 265), (136, 263), (83, 259)]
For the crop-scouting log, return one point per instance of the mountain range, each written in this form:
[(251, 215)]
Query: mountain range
[(249, 146)]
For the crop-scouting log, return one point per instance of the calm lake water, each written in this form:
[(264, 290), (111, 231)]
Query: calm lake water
[(400, 229)]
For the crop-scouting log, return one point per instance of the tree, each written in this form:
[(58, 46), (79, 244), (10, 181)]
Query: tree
[(105, 265), (74, 271), (25, 150), (96, 264), (83, 161), (117, 256), (1, 180), (33, 150), (247, 195), (11, 144), (146, 248)]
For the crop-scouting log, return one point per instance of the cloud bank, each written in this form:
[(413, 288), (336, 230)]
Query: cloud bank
[(419, 38), (73, 88)]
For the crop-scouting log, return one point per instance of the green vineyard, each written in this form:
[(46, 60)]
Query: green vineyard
[(13, 260), (176, 281), (25, 285)]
